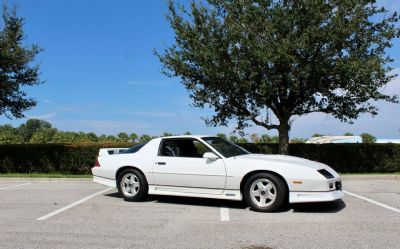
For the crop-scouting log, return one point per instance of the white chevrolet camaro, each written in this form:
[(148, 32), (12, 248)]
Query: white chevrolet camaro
[(211, 167)]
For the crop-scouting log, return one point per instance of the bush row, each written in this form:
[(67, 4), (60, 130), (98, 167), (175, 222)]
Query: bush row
[(50, 158), (344, 158), (78, 159)]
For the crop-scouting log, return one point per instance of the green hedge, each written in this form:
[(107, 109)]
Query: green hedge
[(344, 158), (78, 159), (50, 158)]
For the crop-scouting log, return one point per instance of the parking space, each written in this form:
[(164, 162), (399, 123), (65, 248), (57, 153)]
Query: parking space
[(88, 215)]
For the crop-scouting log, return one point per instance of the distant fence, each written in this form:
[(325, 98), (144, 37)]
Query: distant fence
[(80, 158)]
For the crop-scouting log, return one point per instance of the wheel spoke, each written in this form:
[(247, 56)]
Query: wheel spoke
[(256, 193), (263, 200), (260, 185), (271, 196), (269, 186)]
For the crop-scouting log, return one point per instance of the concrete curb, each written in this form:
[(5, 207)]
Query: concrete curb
[(371, 177)]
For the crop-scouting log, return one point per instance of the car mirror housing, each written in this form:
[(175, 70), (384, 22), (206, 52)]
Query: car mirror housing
[(210, 156)]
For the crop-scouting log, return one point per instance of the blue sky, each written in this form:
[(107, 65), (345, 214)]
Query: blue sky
[(101, 75)]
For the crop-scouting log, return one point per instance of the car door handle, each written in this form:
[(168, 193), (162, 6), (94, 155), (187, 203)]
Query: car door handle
[(161, 163)]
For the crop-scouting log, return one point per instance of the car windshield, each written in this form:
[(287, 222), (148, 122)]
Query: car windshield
[(134, 149), (227, 149)]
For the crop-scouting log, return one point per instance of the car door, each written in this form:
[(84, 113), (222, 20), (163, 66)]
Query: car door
[(180, 166)]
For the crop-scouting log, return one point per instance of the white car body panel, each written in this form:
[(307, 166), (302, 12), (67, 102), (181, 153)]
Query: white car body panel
[(221, 178)]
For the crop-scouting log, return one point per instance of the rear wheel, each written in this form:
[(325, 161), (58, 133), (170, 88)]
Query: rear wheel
[(132, 185), (265, 192)]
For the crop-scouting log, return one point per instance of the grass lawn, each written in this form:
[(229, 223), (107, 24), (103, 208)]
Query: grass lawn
[(43, 175)]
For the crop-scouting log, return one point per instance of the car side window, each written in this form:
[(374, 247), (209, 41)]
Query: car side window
[(183, 148)]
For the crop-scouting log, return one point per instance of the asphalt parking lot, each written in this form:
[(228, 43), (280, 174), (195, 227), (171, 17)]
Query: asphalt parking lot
[(77, 213)]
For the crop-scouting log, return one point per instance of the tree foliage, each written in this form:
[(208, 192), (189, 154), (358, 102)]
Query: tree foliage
[(368, 138), (16, 66), (253, 58), (42, 132)]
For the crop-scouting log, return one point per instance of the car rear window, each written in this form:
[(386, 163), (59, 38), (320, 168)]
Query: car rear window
[(134, 149)]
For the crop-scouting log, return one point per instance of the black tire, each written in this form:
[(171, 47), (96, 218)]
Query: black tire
[(269, 203), (138, 193)]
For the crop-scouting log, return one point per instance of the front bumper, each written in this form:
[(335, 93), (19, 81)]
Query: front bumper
[(301, 197)]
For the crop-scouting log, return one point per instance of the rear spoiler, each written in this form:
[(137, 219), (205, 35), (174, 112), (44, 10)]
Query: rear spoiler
[(111, 151)]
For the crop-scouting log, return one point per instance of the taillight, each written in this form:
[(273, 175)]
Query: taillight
[(97, 164)]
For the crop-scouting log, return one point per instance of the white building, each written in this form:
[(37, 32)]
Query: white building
[(384, 141), (334, 139)]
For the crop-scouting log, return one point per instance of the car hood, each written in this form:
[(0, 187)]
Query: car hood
[(281, 159)]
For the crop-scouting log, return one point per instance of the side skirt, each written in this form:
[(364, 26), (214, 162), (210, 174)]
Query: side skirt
[(196, 192)]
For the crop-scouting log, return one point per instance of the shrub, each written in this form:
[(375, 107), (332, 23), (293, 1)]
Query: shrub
[(344, 158), (50, 158), (80, 158)]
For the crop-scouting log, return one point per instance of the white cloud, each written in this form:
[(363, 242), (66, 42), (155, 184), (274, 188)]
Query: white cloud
[(151, 83), (153, 114), (47, 101), (42, 116)]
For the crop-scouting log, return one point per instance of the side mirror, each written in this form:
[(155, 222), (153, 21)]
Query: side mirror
[(210, 156)]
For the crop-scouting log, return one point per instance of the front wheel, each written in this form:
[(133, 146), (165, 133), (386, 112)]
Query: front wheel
[(132, 185), (265, 192)]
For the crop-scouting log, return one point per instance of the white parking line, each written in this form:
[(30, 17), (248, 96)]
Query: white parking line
[(372, 201), (224, 214), (14, 186), (71, 205)]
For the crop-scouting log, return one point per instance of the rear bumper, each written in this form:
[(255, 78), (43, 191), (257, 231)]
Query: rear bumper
[(301, 197), (96, 171)]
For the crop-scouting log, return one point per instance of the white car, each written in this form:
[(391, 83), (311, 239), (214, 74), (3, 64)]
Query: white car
[(211, 167)]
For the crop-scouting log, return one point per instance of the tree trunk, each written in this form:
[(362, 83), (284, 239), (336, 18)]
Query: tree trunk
[(283, 137)]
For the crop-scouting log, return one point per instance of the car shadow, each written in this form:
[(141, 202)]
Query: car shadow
[(316, 207), (191, 201), (199, 201)]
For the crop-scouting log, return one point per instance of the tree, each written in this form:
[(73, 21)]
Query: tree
[(10, 135), (16, 66), (368, 138), (43, 136), (222, 135), (242, 140), (234, 139), (144, 138), (254, 138), (123, 136), (265, 138), (31, 127), (317, 135), (92, 137), (167, 134), (133, 136), (348, 134), (249, 60), (297, 140)]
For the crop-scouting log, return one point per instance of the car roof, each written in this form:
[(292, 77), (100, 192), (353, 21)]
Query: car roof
[(189, 136)]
